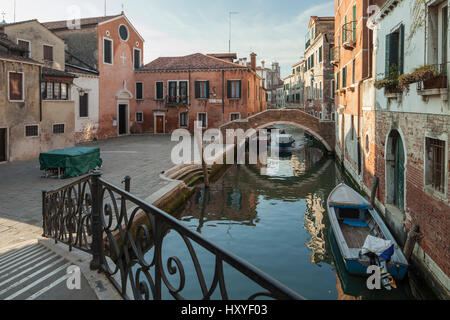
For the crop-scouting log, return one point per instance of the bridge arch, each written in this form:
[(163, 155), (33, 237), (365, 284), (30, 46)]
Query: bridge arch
[(323, 131)]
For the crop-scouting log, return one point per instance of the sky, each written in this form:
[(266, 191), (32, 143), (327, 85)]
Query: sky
[(275, 30)]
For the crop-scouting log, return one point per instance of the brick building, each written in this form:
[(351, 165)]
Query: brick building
[(412, 135), (176, 91), (113, 48), (36, 106), (318, 74)]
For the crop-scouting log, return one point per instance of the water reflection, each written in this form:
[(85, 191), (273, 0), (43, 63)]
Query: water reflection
[(275, 217)]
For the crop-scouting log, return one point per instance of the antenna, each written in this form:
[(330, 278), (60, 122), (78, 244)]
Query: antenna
[(105, 8), (14, 10), (122, 8), (3, 14), (229, 41)]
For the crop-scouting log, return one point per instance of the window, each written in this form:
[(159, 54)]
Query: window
[(444, 35), (137, 58), (354, 24), (394, 55), (337, 80), (312, 60), (320, 54), (332, 88), (48, 53), (26, 45), (172, 91), (353, 70), (58, 128), (344, 77), (201, 89), (139, 91), (32, 130), (159, 90), (235, 116), (123, 32), (178, 91), (139, 117), (320, 90), (234, 89), (184, 119), (435, 164), (202, 117), (84, 105), (16, 86), (183, 92), (55, 91), (107, 51)]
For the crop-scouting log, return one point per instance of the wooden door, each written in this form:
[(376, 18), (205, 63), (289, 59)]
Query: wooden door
[(123, 119), (159, 124), (3, 146), (399, 175)]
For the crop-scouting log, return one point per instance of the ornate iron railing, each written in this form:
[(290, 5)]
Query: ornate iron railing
[(125, 236)]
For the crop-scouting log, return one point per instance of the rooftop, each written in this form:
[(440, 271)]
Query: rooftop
[(196, 61), (62, 24)]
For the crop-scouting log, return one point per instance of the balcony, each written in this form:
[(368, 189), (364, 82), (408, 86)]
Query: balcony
[(334, 56), (176, 101), (349, 35)]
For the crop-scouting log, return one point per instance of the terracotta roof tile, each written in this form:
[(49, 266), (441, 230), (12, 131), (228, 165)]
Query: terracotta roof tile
[(5, 42), (62, 24), (18, 58), (56, 73), (196, 61)]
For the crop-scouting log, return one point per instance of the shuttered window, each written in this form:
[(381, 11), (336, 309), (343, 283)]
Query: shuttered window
[(394, 57), (15, 86), (48, 53), (139, 117), (139, 91), (233, 89), (354, 23), (159, 90), (107, 51), (203, 118), (84, 105), (172, 91), (183, 92), (320, 54), (344, 77), (26, 45), (201, 89)]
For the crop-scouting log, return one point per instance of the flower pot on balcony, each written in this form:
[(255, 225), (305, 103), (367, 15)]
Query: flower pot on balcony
[(391, 90), (435, 83)]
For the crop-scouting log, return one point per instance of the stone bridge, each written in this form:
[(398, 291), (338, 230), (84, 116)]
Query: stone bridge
[(322, 130)]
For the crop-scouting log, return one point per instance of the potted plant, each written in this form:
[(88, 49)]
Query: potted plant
[(426, 74), (390, 83)]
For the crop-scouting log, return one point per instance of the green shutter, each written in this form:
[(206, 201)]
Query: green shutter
[(228, 89), (240, 89), (197, 89), (207, 89), (394, 51), (354, 22), (401, 49), (387, 56)]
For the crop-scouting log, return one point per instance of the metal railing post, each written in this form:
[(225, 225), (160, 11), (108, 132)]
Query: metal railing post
[(44, 212), (127, 181), (97, 228)]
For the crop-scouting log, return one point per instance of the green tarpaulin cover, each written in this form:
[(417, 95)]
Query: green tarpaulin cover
[(76, 161)]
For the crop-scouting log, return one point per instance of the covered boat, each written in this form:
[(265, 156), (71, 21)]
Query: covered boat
[(70, 162), (361, 234)]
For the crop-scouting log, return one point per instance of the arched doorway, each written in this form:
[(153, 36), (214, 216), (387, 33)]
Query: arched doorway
[(395, 171)]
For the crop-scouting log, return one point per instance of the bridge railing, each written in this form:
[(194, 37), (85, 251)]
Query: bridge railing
[(125, 236)]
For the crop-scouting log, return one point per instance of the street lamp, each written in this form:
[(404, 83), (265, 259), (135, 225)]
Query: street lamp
[(229, 41)]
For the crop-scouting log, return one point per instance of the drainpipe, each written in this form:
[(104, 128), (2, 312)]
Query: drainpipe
[(40, 94), (223, 93)]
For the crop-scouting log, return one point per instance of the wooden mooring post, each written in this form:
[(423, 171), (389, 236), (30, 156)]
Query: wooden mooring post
[(413, 237), (373, 194)]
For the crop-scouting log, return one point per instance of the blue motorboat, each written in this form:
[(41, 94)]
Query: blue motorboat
[(362, 237)]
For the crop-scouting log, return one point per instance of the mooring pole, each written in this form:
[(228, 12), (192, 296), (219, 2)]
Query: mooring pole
[(413, 237), (375, 183), (205, 170)]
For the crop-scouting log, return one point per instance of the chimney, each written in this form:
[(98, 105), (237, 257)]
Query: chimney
[(263, 64), (253, 61)]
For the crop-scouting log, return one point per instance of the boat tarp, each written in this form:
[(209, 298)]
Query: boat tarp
[(347, 198), (76, 161), (376, 245)]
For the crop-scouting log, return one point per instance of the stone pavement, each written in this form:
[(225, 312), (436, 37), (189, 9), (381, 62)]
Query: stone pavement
[(141, 157)]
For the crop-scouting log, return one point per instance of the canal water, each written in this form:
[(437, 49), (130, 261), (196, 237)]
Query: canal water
[(274, 217)]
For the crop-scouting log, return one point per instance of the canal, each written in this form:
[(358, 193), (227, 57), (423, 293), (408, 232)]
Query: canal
[(274, 217)]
